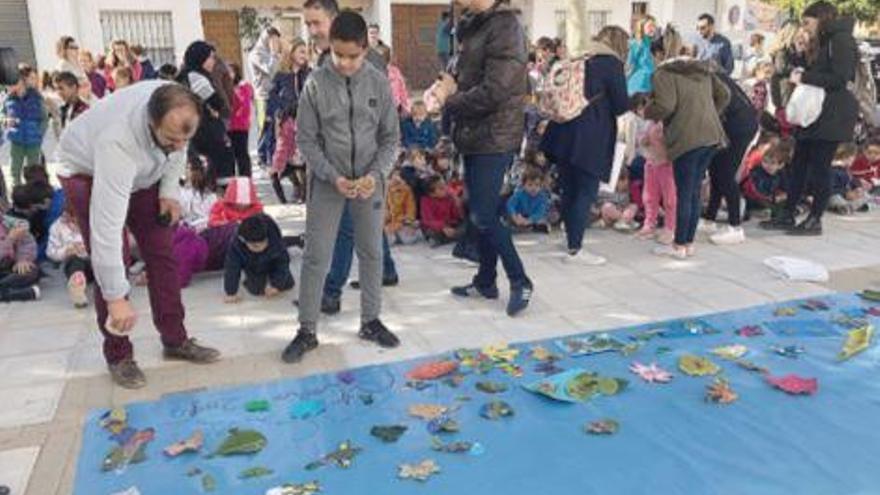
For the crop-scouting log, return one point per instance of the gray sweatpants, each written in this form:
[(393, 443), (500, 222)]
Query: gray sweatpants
[(323, 214)]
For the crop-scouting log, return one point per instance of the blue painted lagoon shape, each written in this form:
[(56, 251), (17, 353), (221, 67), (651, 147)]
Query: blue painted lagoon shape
[(670, 439)]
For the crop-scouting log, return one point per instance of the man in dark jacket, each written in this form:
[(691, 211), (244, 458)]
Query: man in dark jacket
[(486, 101), (259, 252)]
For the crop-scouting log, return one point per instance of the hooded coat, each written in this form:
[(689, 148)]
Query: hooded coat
[(239, 202), (263, 64), (688, 99)]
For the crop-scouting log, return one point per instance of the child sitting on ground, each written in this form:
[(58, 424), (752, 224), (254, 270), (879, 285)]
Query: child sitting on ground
[(415, 171), (196, 198), (659, 180), (617, 210), (867, 165), (848, 193), (764, 186), (529, 205), (441, 213), (66, 246), (260, 253), (19, 273), (401, 225), (418, 130), (239, 202)]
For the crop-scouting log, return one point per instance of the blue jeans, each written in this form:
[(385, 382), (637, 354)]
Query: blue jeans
[(343, 255), (579, 191), (484, 178), (689, 170)]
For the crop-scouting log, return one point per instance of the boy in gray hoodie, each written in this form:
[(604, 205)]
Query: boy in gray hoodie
[(347, 130)]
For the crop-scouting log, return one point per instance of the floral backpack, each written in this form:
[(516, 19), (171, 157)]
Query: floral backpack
[(561, 95)]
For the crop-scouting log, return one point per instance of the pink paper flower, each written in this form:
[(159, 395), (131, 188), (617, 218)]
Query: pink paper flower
[(652, 373)]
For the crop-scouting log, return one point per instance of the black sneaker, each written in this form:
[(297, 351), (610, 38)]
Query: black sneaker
[(192, 352), (519, 299), (392, 281), (330, 305), (376, 331), (472, 290), (127, 374), (810, 227), (784, 222), (303, 342)]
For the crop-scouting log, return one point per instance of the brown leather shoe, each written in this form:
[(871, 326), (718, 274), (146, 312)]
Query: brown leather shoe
[(127, 374), (192, 352)]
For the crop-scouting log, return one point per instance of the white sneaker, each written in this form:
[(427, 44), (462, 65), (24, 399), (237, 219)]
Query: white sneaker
[(729, 236), (76, 289), (624, 226), (584, 257), (707, 226), (671, 252)]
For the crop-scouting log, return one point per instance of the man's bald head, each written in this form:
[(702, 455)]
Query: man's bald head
[(174, 116)]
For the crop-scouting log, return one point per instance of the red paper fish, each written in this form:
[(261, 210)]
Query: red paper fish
[(794, 384), (432, 370)]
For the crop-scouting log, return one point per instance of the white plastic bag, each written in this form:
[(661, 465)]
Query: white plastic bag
[(797, 269), (805, 105)]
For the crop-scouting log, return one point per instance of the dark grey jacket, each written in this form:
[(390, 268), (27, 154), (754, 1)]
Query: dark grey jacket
[(347, 126), (488, 110)]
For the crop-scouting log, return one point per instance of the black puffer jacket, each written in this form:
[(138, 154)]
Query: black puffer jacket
[(488, 110), (834, 68)]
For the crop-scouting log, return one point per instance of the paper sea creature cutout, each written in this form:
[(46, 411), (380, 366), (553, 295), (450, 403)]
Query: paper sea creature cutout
[(432, 370), (852, 318), (873, 311), (730, 352), (870, 295), (750, 331), (443, 424), (306, 409), (496, 410), (502, 353), (366, 399), (856, 342), (418, 385), (687, 328), (647, 335), (697, 366), (192, 444), (132, 452), (418, 472), (720, 392), (114, 420), (651, 373), (427, 412), (511, 369), (472, 448), (594, 344), (794, 384), (241, 442), (789, 351), (576, 385), (310, 488), (474, 360), (540, 353), (784, 312), (255, 472), (491, 387), (209, 484), (346, 377), (802, 328), (750, 366), (548, 368), (193, 472), (341, 457), (815, 305), (388, 434), (257, 406), (602, 427)]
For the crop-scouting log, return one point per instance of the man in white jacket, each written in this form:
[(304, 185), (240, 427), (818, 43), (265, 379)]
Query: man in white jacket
[(121, 166)]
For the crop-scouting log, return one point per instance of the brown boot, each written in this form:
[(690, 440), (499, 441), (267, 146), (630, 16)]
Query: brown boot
[(127, 374), (192, 352)]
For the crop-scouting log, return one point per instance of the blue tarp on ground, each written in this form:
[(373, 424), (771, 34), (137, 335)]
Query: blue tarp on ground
[(671, 441)]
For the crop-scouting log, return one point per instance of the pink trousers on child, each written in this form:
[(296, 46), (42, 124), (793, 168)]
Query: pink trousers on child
[(659, 186)]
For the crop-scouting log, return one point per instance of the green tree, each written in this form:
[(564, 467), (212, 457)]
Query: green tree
[(864, 10)]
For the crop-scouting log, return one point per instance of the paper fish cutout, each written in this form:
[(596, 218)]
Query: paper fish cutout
[(815, 305), (750, 331), (651, 373), (132, 452), (388, 434), (255, 472), (491, 387), (720, 392), (594, 344), (789, 351), (511, 369), (870, 295), (192, 444), (548, 368), (310, 488), (794, 384), (647, 335), (427, 412), (418, 472), (501, 353), (257, 406), (346, 377), (602, 427), (472, 448), (241, 442), (496, 409), (688, 328), (730, 352), (443, 424), (366, 399), (873, 311), (432, 370), (856, 342), (540, 353), (306, 409), (342, 457), (697, 366), (418, 385), (750, 366), (114, 420)]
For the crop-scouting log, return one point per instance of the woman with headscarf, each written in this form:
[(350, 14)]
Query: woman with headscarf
[(210, 139)]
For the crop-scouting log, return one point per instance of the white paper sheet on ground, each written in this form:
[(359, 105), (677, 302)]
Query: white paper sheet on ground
[(616, 167), (797, 269)]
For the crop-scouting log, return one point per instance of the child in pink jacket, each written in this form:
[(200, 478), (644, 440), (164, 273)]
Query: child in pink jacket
[(659, 180)]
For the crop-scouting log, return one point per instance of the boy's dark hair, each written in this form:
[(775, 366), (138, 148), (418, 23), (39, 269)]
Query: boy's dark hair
[(845, 151), (532, 174), (168, 72), (21, 197), (349, 26), (708, 18), (546, 43), (25, 71), (329, 6), (638, 100), (35, 174), (66, 79), (253, 229), (237, 74), (432, 182)]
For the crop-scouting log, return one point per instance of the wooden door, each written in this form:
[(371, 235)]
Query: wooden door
[(221, 30), (415, 33)]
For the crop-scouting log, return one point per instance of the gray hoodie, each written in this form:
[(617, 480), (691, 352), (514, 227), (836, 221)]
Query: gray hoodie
[(263, 65), (347, 126)]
